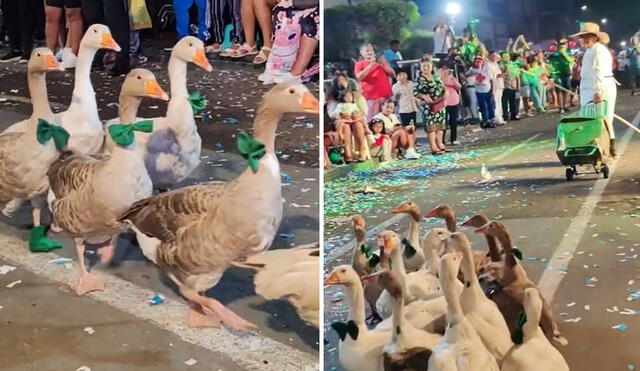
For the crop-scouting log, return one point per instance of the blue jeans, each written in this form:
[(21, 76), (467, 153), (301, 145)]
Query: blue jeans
[(181, 8), (487, 106), (473, 101), (536, 97)]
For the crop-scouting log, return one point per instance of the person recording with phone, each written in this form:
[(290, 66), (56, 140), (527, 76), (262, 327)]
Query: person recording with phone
[(374, 76)]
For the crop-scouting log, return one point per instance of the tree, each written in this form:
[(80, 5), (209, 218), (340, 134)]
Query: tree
[(376, 22)]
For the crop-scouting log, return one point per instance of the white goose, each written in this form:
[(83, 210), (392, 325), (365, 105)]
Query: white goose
[(412, 255), (536, 352), (421, 284), (461, 349), (172, 151), (480, 311), (26, 156), (359, 347), (87, 199)]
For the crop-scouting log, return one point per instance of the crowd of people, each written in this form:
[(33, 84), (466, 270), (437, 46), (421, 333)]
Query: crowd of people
[(461, 83), (288, 31)]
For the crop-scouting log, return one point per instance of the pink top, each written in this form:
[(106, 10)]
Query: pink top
[(376, 84), (452, 87)]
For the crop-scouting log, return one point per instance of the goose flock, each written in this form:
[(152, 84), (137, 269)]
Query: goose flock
[(98, 180), (437, 304)]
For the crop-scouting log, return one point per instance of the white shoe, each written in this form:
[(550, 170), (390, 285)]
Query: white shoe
[(412, 154), (68, 58), (287, 78)]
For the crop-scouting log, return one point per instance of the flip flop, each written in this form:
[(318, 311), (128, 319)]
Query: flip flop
[(229, 51), (211, 49), (263, 56), (243, 51)]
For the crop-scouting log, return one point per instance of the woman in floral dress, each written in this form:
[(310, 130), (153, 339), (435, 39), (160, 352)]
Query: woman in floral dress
[(429, 90)]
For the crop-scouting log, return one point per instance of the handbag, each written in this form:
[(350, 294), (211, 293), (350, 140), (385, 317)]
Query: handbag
[(437, 105)]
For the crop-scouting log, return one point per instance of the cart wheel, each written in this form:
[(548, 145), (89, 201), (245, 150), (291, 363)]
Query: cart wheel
[(569, 174), (605, 171)]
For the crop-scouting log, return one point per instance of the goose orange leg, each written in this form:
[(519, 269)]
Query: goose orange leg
[(213, 310), (87, 282)]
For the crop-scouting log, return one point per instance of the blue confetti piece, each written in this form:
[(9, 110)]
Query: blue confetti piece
[(217, 146), (230, 121), (620, 327), (631, 367), (157, 299), (287, 235), (304, 145), (286, 178), (572, 196)]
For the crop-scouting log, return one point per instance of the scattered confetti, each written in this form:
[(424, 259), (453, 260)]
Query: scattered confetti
[(4, 269), (190, 362), (287, 235), (89, 330), (620, 327), (9, 286), (157, 299)]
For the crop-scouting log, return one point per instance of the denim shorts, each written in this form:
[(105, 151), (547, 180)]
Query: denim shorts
[(525, 91)]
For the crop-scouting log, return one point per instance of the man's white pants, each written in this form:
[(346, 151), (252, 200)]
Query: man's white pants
[(497, 96), (609, 95)]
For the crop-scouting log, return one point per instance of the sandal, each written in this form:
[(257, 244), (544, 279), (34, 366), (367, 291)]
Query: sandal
[(244, 51), (229, 51), (262, 56), (212, 49)]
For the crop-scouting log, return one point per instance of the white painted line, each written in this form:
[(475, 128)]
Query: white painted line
[(515, 148), (556, 269), (248, 350)]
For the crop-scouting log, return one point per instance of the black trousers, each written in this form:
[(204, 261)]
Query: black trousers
[(114, 14), (509, 104), (452, 122), (20, 18)]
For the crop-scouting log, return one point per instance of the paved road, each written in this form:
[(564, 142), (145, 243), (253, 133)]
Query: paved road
[(42, 321), (589, 225)]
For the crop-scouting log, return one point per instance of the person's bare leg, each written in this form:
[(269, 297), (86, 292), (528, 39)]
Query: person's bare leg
[(525, 104), (213, 309), (440, 140), (248, 22), (431, 136), (308, 46), (262, 9), (345, 130), (74, 23), (106, 252), (52, 26), (403, 139), (87, 282), (358, 135)]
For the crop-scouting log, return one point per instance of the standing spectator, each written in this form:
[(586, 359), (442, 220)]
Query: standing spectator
[(493, 64), (634, 64), (403, 94), (181, 8), (510, 104), (373, 75), (561, 64), (483, 77), (472, 98), (430, 91), (534, 80), (115, 14), (575, 77), (73, 19), (443, 37), (452, 101), (402, 138), (392, 55), (20, 17)]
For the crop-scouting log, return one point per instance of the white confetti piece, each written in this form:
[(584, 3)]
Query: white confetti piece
[(83, 368), (571, 304), (4, 269), (299, 206), (574, 320), (89, 330), (9, 286), (587, 307), (190, 362)]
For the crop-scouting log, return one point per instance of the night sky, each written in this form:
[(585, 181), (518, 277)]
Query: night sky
[(623, 16)]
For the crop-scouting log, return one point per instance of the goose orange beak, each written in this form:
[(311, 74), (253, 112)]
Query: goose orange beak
[(200, 60), (333, 279), (483, 230), (153, 89), (310, 104), (399, 209), (109, 43), (52, 64)]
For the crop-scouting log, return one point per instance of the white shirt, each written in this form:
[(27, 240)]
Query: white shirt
[(498, 82), (390, 121), (442, 39), (597, 69), (404, 94)]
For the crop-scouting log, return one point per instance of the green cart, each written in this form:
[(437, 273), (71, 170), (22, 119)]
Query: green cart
[(583, 139)]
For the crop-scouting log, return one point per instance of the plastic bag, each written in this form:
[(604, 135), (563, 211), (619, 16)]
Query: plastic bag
[(139, 15)]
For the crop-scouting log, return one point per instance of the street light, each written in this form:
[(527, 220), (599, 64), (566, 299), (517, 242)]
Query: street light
[(584, 8), (603, 21), (623, 44), (453, 9)]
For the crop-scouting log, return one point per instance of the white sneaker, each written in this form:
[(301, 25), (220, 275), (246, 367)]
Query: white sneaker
[(68, 58), (412, 154), (455, 143), (287, 78)]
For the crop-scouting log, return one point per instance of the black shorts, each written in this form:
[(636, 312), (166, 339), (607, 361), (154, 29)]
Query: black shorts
[(405, 118), (69, 4)]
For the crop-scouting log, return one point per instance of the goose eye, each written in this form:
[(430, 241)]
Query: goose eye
[(38, 54), (138, 77), (190, 44), (343, 271), (291, 91), (95, 31)]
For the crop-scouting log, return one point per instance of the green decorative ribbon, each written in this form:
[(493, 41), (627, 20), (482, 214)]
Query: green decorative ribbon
[(373, 260), (251, 150), (39, 243), (409, 250), (518, 335), (366, 251), (46, 132), (517, 253), (343, 329), (197, 102), (123, 134)]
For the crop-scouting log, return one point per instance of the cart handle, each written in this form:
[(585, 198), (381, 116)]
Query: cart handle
[(567, 152)]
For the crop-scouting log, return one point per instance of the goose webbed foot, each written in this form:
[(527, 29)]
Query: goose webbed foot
[(212, 307), (88, 283), (200, 317)]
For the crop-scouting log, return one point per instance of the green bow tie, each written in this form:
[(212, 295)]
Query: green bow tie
[(197, 102), (366, 251), (409, 250), (517, 253), (122, 134), (374, 260), (46, 131), (518, 335), (343, 329), (251, 150)]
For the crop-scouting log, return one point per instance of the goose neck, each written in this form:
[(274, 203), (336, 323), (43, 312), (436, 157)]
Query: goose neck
[(450, 220), (178, 78), (128, 108), (494, 250), (83, 87), (265, 127), (38, 92), (356, 303), (397, 317)]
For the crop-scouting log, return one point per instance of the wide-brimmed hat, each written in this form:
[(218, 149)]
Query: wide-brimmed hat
[(594, 29)]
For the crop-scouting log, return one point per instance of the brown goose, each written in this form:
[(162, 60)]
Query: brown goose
[(85, 200), (360, 264), (196, 232), (514, 282), (477, 221), (447, 213)]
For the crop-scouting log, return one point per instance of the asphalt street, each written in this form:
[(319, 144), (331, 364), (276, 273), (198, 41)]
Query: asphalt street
[(583, 235), (43, 324)]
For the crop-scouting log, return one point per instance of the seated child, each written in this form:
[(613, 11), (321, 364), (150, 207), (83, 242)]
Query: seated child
[(348, 114), (379, 142)]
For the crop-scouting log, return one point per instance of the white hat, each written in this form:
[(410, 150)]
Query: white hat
[(594, 29)]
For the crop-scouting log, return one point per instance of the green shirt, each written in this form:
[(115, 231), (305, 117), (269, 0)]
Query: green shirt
[(560, 64)]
